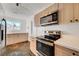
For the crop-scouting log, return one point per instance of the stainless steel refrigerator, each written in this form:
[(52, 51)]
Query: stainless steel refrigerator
[(2, 33)]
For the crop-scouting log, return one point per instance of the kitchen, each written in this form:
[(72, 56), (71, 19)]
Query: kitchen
[(67, 24), (50, 28)]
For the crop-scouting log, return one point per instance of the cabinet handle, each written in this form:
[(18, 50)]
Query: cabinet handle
[(71, 21), (76, 20), (73, 53)]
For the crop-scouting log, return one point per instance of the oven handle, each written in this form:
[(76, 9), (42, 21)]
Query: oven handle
[(47, 43)]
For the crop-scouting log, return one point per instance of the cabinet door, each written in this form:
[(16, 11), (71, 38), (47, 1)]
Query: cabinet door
[(76, 12), (37, 20), (62, 51), (33, 45), (61, 13), (66, 12), (53, 8), (45, 12)]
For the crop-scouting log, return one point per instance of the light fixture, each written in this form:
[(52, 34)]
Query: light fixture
[(17, 4)]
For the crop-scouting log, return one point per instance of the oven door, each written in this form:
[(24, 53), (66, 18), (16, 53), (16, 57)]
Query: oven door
[(44, 49)]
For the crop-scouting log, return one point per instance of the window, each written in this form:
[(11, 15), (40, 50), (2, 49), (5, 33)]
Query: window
[(16, 26), (12, 25)]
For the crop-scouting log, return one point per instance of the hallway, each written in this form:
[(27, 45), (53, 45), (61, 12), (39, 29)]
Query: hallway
[(18, 49)]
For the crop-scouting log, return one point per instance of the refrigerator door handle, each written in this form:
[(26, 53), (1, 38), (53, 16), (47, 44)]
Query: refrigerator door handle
[(2, 35)]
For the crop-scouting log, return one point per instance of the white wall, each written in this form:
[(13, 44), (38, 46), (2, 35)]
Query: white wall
[(21, 30), (33, 32), (21, 19)]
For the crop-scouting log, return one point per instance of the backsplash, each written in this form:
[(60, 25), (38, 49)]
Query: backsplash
[(69, 29)]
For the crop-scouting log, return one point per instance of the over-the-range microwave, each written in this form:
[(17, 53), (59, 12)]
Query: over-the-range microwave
[(49, 19)]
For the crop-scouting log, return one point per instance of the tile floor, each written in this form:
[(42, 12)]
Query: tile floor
[(19, 49)]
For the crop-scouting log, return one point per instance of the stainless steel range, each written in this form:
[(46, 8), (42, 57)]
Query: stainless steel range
[(45, 44)]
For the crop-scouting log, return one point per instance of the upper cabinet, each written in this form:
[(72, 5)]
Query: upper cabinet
[(45, 12), (76, 12), (37, 19), (67, 13), (52, 8)]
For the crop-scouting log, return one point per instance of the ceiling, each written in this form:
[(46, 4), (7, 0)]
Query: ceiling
[(24, 9)]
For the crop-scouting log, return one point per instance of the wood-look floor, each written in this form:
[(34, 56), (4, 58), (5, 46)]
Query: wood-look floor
[(19, 49)]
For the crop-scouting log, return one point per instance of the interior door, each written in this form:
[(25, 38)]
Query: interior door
[(2, 33)]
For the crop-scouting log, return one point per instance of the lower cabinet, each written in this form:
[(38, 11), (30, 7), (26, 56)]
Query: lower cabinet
[(33, 45), (16, 38), (62, 51)]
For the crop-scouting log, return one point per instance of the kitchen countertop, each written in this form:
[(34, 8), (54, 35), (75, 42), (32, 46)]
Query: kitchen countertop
[(69, 41)]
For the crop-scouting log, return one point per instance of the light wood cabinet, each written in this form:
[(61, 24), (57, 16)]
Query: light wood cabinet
[(65, 13), (33, 45), (61, 13), (68, 13), (76, 12), (16, 38), (45, 12), (49, 10), (62, 51), (53, 8), (37, 20)]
